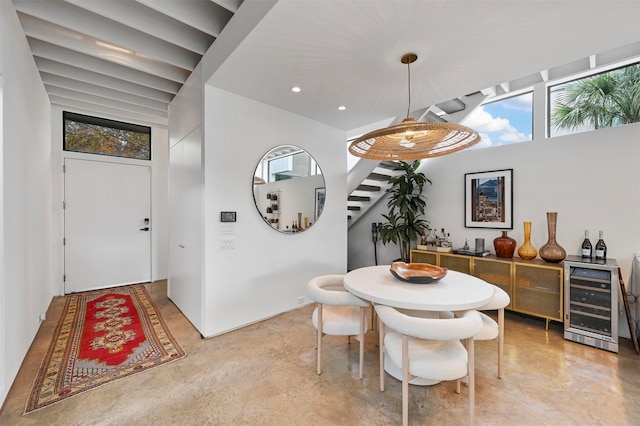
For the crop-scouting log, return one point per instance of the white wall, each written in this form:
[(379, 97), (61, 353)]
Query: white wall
[(3, 385), (591, 179), (267, 271), (159, 203), (26, 197)]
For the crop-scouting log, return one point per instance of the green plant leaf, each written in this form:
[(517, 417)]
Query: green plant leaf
[(407, 205)]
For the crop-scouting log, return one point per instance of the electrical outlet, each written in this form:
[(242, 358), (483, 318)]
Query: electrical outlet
[(43, 317), (300, 300)]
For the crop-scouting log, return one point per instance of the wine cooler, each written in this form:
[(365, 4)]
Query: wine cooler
[(591, 302)]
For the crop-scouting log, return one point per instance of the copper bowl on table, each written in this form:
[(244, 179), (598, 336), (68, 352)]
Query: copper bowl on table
[(417, 273)]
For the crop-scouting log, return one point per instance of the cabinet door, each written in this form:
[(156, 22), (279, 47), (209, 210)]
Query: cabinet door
[(418, 256), (456, 263), (495, 272), (538, 291), (589, 300), (185, 230)]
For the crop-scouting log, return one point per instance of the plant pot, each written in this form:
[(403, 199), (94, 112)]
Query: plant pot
[(504, 245)]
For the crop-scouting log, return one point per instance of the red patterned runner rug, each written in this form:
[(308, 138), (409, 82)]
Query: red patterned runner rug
[(102, 336)]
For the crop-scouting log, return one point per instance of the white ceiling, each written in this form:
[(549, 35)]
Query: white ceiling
[(340, 52), (120, 57)]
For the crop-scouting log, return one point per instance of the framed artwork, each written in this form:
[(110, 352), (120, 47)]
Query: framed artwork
[(320, 195), (488, 199)]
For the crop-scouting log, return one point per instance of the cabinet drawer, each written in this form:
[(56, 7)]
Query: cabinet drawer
[(494, 272), (456, 263), (538, 290), (539, 278), (537, 302), (423, 257)]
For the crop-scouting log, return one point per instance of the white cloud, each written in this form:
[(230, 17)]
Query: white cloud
[(523, 102), (481, 121), (493, 130), (485, 141), (513, 136)]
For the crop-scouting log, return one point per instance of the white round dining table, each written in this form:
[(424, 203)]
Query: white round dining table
[(454, 292)]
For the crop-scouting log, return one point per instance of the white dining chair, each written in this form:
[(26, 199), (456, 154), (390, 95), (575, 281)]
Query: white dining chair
[(338, 313), (492, 330), (428, 348)]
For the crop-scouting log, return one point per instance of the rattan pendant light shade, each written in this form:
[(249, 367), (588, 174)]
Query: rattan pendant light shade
[(413, 140)]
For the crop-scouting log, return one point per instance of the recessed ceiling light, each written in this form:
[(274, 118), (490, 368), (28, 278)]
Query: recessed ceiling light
[(342, 107), (296, 89)]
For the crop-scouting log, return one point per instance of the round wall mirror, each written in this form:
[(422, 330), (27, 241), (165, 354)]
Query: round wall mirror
[(289, 189)]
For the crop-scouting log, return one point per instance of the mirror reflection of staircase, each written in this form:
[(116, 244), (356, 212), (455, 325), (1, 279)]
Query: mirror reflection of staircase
[(368, 180)]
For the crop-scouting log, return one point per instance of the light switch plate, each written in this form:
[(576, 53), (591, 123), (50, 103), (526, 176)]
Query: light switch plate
[(227, 244)]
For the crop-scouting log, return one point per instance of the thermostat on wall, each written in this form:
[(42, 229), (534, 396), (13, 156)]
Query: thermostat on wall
[(227, 216)]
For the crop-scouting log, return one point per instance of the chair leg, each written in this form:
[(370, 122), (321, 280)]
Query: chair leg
[(319, 339), (405, 380), (472, 380), (362, 325), (374, 317), (500, 340), (381, 350), (376, 324)]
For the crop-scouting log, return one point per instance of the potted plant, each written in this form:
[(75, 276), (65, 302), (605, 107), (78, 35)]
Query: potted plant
[(406, 208)]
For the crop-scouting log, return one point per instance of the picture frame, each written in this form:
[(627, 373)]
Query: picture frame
[(320, 194), (488, 199)]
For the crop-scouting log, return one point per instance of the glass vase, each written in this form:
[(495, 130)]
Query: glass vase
[(504, 245), (527, 251), (552, 251)]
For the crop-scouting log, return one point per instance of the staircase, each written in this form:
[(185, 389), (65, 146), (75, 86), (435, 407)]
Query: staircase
[(368, 180), (370, 189)]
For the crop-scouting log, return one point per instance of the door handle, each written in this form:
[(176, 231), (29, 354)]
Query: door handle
[(146, 228)]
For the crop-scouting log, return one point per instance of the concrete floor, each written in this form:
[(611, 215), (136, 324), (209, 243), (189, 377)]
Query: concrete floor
[(265, 374)]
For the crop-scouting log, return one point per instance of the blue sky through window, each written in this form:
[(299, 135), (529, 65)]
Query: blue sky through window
[(503, 122)]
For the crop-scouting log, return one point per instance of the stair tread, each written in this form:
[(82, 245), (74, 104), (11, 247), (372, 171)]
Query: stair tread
[(358, 198), (353, 208), (370, 188), (388, 165), (378, 176)]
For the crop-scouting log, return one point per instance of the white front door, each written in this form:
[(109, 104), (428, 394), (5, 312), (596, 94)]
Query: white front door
[(106, 224)]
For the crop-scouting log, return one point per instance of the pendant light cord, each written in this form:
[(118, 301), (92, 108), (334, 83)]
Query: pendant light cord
[(409, 87)]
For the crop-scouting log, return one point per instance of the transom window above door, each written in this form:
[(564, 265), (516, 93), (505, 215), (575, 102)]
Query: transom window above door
[(94, 135)]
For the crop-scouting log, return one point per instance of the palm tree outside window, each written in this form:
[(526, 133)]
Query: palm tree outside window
[(602, 100)]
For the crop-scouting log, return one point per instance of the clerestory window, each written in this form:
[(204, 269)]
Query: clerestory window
[(93, 135), (605, 99), (504, 121)]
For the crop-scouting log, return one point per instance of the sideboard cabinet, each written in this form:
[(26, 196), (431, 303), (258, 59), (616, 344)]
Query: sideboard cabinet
[(534, 286)]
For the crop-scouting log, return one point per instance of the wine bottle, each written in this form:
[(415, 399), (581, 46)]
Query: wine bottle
[(586, 245), (431, 237), (601, 248), (442, 238)]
